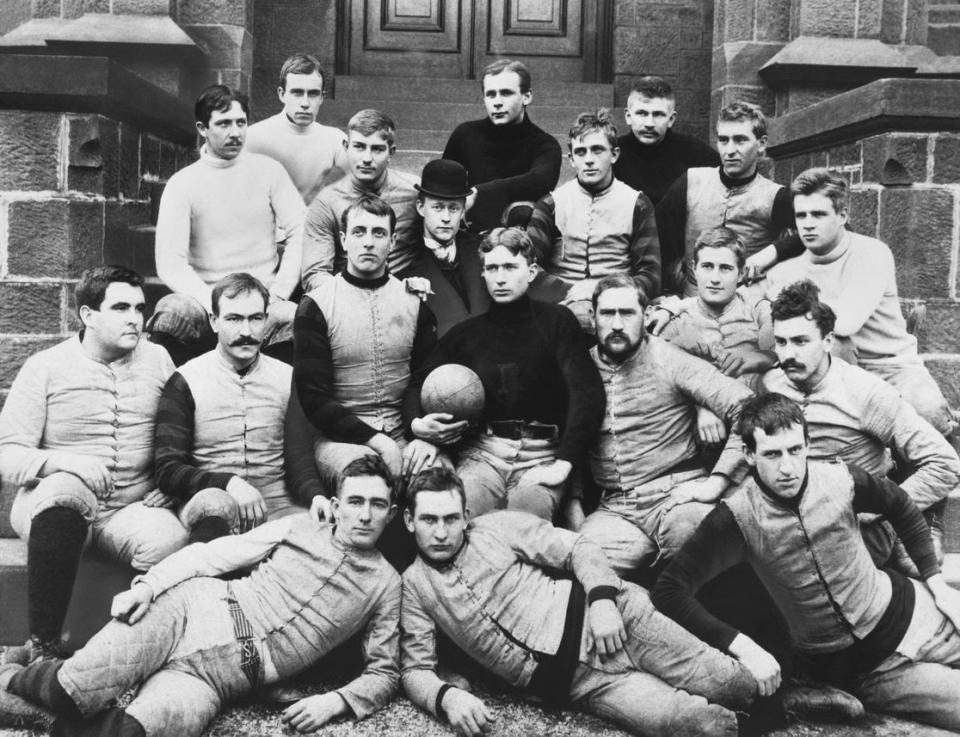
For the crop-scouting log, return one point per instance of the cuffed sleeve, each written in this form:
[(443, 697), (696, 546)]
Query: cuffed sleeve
[(418, 652), (375, 686)]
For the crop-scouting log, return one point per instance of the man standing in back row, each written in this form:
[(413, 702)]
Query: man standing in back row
[(508, 158)]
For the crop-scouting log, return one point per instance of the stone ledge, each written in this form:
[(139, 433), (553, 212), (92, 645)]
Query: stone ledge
[(93, 84), (885, 105)]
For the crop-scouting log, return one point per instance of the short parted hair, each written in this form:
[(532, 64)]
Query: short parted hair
[(619, 281), (771, 413), (513, 239), (739, 111), (238, 283), (598, 122), (218, 98), (301, 64), (802, 299), (370, 464), (92, 287), (652, 87), (370, 204), (369, 121), (437, 478), (508, 65), (821, 180), (721, 237)]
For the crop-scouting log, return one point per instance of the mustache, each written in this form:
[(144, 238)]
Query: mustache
[(791, 363), (245, 340)]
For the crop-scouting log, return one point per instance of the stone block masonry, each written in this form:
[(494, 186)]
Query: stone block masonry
[(74, 192)]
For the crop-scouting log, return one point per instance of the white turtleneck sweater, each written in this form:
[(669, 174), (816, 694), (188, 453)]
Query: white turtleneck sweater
[(313, 156), (219, 216)]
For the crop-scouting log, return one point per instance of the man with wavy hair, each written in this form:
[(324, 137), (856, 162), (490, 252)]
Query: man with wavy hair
[(595, 225)]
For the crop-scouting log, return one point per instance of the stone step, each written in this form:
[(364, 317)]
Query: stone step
[(435, 140), (466, 90), (943, 39), (442, 116), (942, 13)]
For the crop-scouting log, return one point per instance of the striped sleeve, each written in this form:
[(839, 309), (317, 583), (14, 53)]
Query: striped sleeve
[(173, 444), (645, 263)]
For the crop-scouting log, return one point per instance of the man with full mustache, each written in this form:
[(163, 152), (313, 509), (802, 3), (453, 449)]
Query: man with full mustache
[(220, 423)]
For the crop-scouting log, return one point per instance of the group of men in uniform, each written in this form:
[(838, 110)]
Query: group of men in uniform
[(263, 460)]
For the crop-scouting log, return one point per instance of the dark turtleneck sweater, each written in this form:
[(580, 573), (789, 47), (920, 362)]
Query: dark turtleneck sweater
[(533, 361), (652, 169), (506, 164)]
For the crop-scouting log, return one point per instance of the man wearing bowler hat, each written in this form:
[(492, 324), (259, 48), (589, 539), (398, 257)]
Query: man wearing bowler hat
[(446, 254)]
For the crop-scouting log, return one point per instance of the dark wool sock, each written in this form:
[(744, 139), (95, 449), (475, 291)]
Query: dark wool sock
[(53, 554), (38, 684), (209, 528), (110, 723), (765, 715)]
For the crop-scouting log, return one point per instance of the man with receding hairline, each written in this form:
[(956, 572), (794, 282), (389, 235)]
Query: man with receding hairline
[(508, 157)]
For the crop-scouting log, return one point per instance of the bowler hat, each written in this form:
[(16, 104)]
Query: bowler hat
[(444, 179)]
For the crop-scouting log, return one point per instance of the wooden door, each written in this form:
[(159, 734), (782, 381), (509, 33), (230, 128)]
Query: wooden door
[(456, 39)]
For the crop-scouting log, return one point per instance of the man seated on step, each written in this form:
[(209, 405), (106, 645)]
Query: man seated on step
[(595, 225), (359, 337), (507, 156), (735, 196), (193, 642), (543, 397), (889, 640), (856, 275), (76, 437), (652, 154), (313, 154), (230, 211), (371, 142), (220, 424), (447, 253), (654, 486), (855, 415), (540, 608), (723, 324)]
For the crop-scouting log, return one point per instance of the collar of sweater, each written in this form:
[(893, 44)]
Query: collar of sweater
[(835, 253), (362, 283), (293, 128), (511, 313), (516, 131), (215, 162), (362, 188), (732, 183)]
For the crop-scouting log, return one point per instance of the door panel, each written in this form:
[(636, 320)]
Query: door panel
[(399, 37), (458, 38)]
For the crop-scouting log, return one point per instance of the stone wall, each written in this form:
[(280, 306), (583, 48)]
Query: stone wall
[(672, 40), (74, 189)]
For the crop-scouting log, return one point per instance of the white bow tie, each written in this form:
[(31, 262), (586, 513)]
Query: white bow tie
[(444, 253)]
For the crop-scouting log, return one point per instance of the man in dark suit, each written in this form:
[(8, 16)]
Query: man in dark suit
[(448, 256)]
